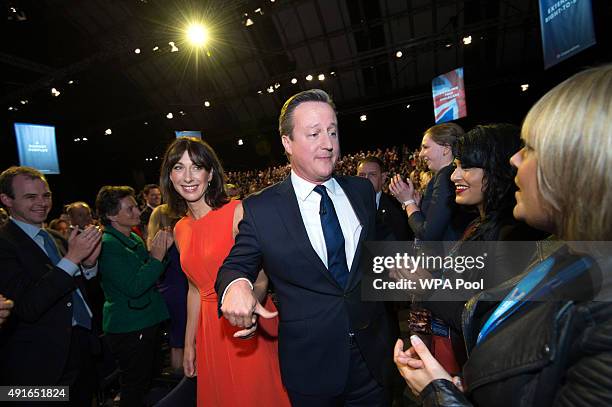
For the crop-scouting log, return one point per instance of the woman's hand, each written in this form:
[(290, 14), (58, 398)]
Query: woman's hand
[(161, 243), (189, 361), (400, 189), (418, 366)]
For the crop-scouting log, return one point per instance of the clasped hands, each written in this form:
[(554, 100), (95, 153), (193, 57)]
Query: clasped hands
[(418, 366), (241, 309)]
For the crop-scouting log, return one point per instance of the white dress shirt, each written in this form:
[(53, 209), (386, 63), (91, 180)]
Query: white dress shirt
[(310, 203)]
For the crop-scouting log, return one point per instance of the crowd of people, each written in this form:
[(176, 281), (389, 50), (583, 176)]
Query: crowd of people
[(254, 280)]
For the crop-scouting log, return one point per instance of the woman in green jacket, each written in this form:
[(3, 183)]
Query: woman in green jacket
[(133, 309)]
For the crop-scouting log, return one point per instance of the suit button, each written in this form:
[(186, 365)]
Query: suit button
[(69, 305)]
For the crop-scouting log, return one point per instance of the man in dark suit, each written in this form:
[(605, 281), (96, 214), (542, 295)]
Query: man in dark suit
[(48, 340), (391, 221), (307, 232)]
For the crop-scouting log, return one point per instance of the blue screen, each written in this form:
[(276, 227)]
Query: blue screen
[(188, 133), (36, 147), (567, 29)]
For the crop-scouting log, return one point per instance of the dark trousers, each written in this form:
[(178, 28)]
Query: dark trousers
[(361, 389), (184, 394), (135, 353)]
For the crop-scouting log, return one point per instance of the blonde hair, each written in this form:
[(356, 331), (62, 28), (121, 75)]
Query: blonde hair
[(570, 130)]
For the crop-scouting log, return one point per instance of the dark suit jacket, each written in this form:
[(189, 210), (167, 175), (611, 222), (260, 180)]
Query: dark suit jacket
[(392, 220), (440, 218), (35, 341), (315, 313)]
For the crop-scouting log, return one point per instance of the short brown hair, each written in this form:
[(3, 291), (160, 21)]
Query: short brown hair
[(285, 120), (108, 201), (7, 176)]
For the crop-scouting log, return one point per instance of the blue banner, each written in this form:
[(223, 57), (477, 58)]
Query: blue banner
[(567, 29), (36, 147)]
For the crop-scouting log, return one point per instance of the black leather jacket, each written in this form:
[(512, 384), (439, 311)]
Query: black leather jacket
[(550, 353)]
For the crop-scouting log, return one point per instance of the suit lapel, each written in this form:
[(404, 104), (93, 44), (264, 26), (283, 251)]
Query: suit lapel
[(25, 243), (289, 211)]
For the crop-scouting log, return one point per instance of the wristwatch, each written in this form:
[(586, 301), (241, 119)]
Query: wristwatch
[(408, 202)]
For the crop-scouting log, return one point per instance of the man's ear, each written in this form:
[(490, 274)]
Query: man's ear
[(286, 143), (6, 200)]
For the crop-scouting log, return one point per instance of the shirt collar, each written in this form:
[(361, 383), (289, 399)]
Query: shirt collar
[(303, 188), (28, 228), (378, 195)]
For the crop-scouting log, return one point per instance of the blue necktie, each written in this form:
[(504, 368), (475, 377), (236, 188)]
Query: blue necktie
[(79, 309), (334, 239)]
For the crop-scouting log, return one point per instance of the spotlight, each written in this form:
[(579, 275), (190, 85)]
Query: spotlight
[(321, 77), (70, 82), (248, 22), (181, 113), (197, 34), (156, 48), (137, 51), (173, 48), (170, 115), (332, 73), (309, 78), (449, 44), (11, 109), (407, 106), (108, 132), (467, 40), (276, 85), (55, 92), (146, 123), (240, 142), (84, 138), (363, 117), (294, 81), (207, 103), (259, 92), (270, 89), (24, 102), (399, 54), (524, 87)]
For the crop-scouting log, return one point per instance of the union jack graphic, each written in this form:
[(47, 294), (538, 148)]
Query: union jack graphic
[(449, 96)]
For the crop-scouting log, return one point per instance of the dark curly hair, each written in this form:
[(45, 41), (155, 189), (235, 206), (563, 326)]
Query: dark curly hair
[(201, 154), (490, 147), (108, 201)]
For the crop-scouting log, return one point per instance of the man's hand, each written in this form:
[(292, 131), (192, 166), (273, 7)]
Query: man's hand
[(82, 245), (5, 308), (240, 307), (418, 366)]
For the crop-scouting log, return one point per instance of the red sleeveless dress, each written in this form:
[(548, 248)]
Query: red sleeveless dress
[(231, 372)]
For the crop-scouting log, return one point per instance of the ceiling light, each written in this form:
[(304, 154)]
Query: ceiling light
[(197, 34), (399, 54), (259, 11), (270, 89), (156, 157), (248, 22), (259, 92), (173, 48), (467, 40), (294, 81), (363, 117), (321, 77), (524, 87), (108, 132), (276, 85), (24, 102), (240, 142), (70, 82), (55, 92), (407, 106), (309, 78), (332, 73), (207, 103), (155, 48), (146, 123), (448, 45), (181, 113), (11, 108), (84, 138), (137, 51), (170, 115)]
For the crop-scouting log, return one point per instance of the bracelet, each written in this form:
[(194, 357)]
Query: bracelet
[(408, 202)]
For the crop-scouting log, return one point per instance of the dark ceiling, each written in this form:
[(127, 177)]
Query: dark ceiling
[(47, 43)]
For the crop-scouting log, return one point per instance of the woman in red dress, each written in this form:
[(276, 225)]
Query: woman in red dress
[(233, 368)]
